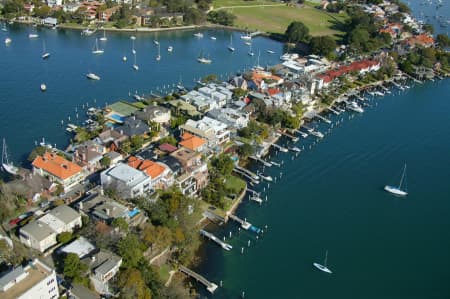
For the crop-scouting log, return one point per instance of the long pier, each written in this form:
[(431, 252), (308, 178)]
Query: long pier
[(333, 111), (303, 134), (282, 149), (210, 236), (248, 172), (210, 286), (265, 163), (293, 138), (253, 180), (323, 118)]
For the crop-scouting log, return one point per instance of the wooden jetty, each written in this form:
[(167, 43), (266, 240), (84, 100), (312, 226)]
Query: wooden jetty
[(213, 238), (279, 147), (265, 163), (210, 286)]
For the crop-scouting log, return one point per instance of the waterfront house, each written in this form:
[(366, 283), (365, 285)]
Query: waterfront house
[(133, 127), (153, 113), (35, 280), (360, 67), (421, 40), (58, 170), (126, 180), (107, 13), (233, 118), (214, 131), (52, 22), (71, 7), (53, 3), (103, 265), (28, 7), (239, 82), (111, 139), (160, 174), (192, 142), (88, 155), (194, 175), (181, 106)]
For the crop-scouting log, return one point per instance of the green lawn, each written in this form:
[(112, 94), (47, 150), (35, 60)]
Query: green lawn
[(276, 19), (164, 272), (222, 3), (234, 183)]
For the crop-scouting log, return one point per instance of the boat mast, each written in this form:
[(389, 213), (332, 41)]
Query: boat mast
[(326, 258), (403, 175)]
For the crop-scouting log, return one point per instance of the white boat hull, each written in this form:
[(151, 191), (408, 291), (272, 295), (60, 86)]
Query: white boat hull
[(11, 169), (395, 190), (322, 268)]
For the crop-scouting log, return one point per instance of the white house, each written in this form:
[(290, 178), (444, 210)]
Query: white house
[(214, 131), (36, 280), (126, 180)]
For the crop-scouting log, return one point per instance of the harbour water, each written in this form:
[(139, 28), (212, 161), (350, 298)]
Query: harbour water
[(331, 198), (27, 114)]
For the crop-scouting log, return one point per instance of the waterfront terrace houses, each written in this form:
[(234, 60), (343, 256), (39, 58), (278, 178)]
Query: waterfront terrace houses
[(214, 131), (111, 139), (88, 155), (160, 174), (35, 280), (156, 114), (233, 118), (127, 181), (58, 170)]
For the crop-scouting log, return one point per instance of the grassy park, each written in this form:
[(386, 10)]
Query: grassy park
[(275, 19)]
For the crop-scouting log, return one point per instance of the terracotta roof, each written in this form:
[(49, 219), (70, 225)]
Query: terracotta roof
[(166, 147), (151, 168), (421, 39), (191, 142), (56, 165), (345, 69)]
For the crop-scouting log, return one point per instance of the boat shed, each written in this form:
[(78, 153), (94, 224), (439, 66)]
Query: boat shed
[(53, 22)]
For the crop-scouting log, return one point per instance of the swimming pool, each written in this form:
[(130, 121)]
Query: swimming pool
[(116, 117)]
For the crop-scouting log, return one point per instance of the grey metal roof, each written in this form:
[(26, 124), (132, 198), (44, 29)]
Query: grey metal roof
[(38, 230), (64, 213), (11, 276)]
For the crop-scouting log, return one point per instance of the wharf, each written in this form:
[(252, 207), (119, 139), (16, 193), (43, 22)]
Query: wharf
[(244, 224), (265, 163), (333, 111), (280, 148), (293, 138), (323, 118), (247, 172), (210, 286), (210, 236)]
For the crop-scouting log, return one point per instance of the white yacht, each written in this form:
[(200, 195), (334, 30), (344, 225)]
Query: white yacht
[(33, 35), (92, 76), (230, 46), (87, 32), (8, 41), (355, 107), (246, 36), (400, 190), (132, 37), (203, 59), (96, 49), (213, 38), (289, 56), (135, 66), (104, 38), (6, 165), (170, 49), (198, 34), (124, 58), (43, 87), (324, 267), (45, 54), (158, 57), (250, 52), (270, 52)]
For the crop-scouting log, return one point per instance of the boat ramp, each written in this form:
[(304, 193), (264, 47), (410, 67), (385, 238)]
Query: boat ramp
[(210, 236), (210, 286)]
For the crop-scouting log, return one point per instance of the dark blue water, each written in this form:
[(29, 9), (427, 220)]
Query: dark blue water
[(27, 114), (331, 198)]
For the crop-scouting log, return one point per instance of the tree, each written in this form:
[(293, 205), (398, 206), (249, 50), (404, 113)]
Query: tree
[(223, 164), (194, 16), (239, 92), (428, 28), (73, 267), (443, 40), (105, 161), (358, 39), (130, 249), (221, 17), (38, 151), (120, 223), (132, 285), (246, 150), (64, 237), (137, 142), (169, 139), (42, 11), (322, 45), (297, 32)]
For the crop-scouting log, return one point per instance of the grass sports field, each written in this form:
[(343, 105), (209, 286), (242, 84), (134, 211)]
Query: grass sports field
[(275, 19)]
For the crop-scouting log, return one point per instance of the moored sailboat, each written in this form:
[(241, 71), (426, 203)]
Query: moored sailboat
[(96, 49), (323, 267), (401, 189), (6, 165)]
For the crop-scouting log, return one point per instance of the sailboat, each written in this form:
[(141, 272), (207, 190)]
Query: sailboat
[(4, 29), (6, 165), (132, 47), (158, 57), (398, 190), (323, 267), (250, 52), (135, 66), (104, 38), (246, 36), (45, 54), (230, 46), (96, 49), (203, 59)]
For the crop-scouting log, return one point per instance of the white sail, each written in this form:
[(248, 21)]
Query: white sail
[(6, 165)]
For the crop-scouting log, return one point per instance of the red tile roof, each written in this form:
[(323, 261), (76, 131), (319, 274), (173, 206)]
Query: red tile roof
[(166, 147), (191, 142), (56, 165), (345, 69), (151, 168)]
